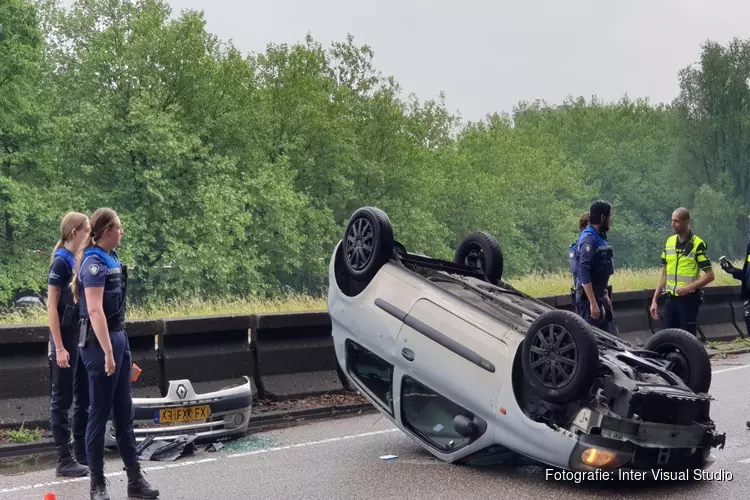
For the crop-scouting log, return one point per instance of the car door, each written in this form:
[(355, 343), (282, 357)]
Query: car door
[(447, 370)]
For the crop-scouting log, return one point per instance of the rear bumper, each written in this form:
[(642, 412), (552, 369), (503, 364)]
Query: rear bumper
[(229, 413)]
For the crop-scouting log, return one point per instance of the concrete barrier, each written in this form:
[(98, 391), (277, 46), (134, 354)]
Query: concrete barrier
[(207, 348), (304, 340), (632, 316), (715, 316), (295, 354), (143, 336), (24, 365)]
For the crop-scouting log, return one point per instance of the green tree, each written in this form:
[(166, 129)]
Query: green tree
[(714, 132), (625, 150), (29, 201)]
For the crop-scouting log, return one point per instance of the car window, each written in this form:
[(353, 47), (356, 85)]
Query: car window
[(430, 416), (371, 371)]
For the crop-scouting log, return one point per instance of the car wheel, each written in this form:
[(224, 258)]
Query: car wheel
[(690, 359), (481, 250), (560, 357), (368, 243)]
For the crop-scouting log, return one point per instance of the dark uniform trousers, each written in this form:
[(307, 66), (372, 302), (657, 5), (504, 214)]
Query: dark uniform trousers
[(68, 385), (682, 312), (109, 394), (606, 320)]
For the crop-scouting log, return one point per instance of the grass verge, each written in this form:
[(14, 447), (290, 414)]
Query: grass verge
[(536, 285), (624, 280), (21, 435), (730, 346)]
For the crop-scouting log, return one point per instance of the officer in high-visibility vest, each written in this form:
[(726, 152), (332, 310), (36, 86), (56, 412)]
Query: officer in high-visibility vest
[(684, 257)]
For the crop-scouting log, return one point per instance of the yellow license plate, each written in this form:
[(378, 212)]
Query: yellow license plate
[(185, 414)]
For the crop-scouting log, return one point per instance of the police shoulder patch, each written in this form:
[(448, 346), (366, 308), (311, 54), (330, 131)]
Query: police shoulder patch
[(587, 247), (94, 269)]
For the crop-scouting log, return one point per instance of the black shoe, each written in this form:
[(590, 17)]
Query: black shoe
[(67, 466), (79, 451), (138, 487), (99, 487)]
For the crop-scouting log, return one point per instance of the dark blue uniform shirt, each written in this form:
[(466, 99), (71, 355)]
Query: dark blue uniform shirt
[(60, 275), (744, 275), (573, 261), (102, 269), (61, 270), (594, 261)]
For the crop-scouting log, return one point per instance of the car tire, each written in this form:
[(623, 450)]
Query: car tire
[(480, 249), (368, 243), (552, 379), (692, 363)]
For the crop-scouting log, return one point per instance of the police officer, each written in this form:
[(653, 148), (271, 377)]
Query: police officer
[(67, 373), (106, 354), (594, 269), (683, 259), (583, 222), (744, 276)]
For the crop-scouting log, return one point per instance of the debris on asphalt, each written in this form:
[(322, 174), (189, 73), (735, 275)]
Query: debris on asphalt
[(388, 457), (214, 447), (267, 405), (167, 451)]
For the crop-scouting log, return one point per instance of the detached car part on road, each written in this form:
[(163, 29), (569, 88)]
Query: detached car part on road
[(209, 416), (471, 368)]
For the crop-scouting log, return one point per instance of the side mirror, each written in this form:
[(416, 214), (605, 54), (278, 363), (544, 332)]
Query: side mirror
[(469, 427)]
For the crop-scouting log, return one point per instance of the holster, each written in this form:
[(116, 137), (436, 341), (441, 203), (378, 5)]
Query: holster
[(85, 332), (69, 316)]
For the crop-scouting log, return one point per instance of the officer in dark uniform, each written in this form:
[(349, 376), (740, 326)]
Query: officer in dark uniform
[(583, 222), (594, 269), (67, 373), (744, 276), (106, 353)]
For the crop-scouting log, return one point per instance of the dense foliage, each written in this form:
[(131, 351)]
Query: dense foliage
[(235, 174)]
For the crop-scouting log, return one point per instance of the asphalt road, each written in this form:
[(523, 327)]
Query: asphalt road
[(340, 459)]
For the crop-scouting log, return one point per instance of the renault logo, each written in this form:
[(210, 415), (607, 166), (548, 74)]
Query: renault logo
[(181, 391)]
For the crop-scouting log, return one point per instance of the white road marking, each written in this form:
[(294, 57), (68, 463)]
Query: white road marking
[(310, 443), (197, 462), (731, 369)]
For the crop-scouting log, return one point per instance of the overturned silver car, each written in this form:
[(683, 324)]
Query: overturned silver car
[(470, 367)]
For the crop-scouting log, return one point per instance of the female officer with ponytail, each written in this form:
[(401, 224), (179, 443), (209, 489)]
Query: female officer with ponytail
[(100, 285), (68, 374)]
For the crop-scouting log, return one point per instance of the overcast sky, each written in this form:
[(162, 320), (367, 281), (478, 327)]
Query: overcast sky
[(488, 55)]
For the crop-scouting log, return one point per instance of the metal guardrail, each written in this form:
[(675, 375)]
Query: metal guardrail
[(287, 354)]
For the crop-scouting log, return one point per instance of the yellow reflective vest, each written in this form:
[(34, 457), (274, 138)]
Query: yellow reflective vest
[(684, 264)]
